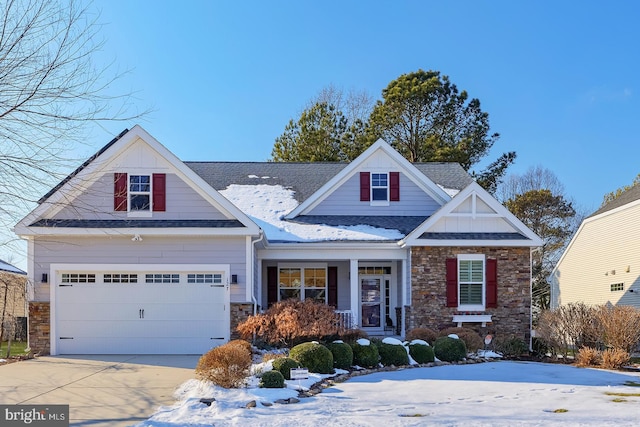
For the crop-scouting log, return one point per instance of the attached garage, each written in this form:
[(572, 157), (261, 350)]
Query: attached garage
[(139, 309)]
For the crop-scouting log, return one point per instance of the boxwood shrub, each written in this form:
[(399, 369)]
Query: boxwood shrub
[(421, 353), (366, 356), (272, 379), (449, 349), (313, 356), (392, 354), (284, 365), (342, 355)]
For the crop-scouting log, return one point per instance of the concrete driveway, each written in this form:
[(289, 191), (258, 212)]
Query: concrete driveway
[(111, 390)]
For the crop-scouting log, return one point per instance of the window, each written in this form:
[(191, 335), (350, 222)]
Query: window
[(302, 283), (379, 187), (120, 278), (78, 278), (471, 282), (162, 278), (617, 287), (140, 192), (204, 278), (374, 270)]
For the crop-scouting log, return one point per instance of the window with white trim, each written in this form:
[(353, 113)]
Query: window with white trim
[(617, 287), (78, 278), (204, 278), (120, 278), (162, 278), (302, 283), (471, 282), (379, 187), (140, 193)]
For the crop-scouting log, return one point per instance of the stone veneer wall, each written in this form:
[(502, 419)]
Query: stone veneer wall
[(428, 290), (239, 313), (39, 328)]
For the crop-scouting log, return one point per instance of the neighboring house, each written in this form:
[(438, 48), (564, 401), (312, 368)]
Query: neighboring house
[(601, 264), (139, 252), (13, 301)]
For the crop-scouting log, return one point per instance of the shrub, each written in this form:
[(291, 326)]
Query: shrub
[(424, 334), (243, 343), (284, 365), (421, 353), (292, 321), (226, 366), (366, 356), (313, 356), (471, 338), (272, 379), (350, 336), (588, 356), (342, 355), (510, 346), (614, 358), (619, 326), (449, 349), (272, 356), (568, 328), (392, 354)]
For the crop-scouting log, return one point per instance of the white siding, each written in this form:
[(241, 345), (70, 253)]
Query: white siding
[(151, 250), (96, 202), (345, 200), (606, 251)]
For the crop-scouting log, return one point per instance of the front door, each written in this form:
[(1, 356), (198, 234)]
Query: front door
[(371, 302)]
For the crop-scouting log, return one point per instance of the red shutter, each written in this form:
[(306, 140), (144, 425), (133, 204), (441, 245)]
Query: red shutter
[(272, 285), (119, 191), (452, 282), (332, 282), (492, 283), (159, 186), (365, 187), (394, 186)]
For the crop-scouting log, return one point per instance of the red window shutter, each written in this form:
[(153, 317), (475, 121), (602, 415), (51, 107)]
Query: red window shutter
[(452, 282), (119, 191), (492, 283), (272, 286), (332, 282), (394, 186), (159, 188), (365, 187)]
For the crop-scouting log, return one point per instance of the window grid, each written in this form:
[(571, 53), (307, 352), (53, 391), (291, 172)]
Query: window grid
[(617, 287), (374, 270), (162, 278), (120, 278), (204, 278), (379, 186), (302, 283), (470, 279), (140, 192), (78, 278)]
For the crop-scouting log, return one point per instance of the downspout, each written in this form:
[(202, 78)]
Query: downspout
[(253, 261), (531, 331)]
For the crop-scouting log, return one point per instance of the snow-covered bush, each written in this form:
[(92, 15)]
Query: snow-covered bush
[(272, 379), (342, 354), (313, 356), (449, 349), (472, 340), (284, 366), (365, 354), (392, 354), (425, 334), (226, 366), (421, 353)]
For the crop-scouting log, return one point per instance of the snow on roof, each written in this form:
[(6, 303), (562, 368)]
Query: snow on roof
[(268, 204), (5, 266), (450, 191)]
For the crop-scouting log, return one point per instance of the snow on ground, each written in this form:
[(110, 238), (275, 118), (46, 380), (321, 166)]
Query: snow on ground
[(267, 204), (502, 393)]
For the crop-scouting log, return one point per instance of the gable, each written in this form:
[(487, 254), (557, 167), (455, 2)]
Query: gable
[(380, 182), (472, 218), (134, 179)]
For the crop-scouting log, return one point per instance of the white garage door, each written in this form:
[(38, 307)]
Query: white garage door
[(140, 312)]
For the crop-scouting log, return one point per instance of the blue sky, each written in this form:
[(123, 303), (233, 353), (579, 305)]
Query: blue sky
[(559, 80)]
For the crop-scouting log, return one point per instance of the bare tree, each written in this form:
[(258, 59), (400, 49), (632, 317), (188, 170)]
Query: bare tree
[(355, 105), (50, 92)]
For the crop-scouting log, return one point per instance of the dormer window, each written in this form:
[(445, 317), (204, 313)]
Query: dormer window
[(139, 194), (379, 188)]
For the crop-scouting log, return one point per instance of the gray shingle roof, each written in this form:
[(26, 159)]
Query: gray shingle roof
[(306, 178), (473, 236), (628, 196), (404, 224), (138, 223)]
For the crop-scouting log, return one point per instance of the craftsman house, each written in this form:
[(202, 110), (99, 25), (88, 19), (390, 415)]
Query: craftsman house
[(139, 252)]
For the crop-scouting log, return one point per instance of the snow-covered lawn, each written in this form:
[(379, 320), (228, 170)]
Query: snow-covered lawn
[(502, 393)]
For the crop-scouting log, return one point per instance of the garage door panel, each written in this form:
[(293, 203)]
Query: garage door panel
[(141, 330), (180, 345)]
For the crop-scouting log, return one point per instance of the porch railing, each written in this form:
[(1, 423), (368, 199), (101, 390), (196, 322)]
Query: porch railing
[(345, 319)]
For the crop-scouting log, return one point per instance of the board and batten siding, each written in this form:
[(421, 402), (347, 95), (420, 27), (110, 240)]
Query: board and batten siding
[(151, 250), (345, 200), (182, 202), (606, 251)]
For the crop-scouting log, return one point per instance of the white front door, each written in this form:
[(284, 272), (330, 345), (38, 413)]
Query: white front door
[(371, 301)]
